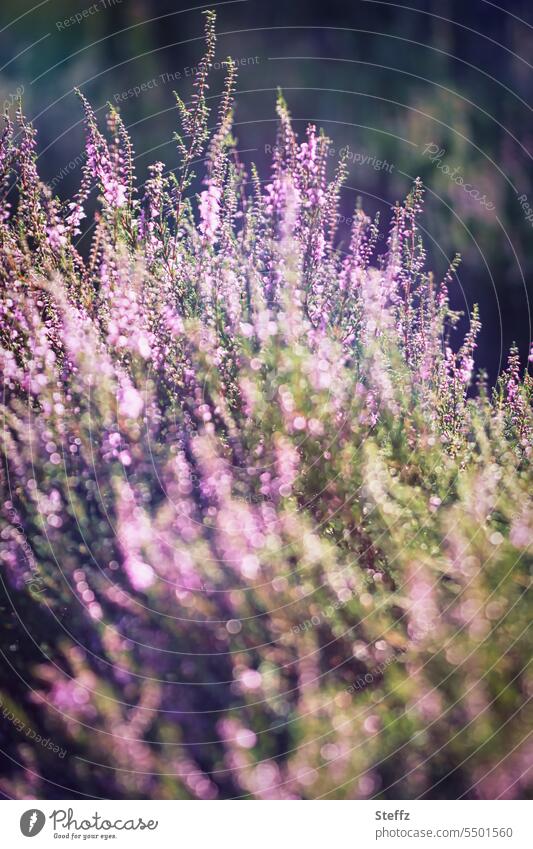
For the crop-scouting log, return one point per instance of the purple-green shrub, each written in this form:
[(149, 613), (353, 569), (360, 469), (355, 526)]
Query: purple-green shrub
[(259, 538)]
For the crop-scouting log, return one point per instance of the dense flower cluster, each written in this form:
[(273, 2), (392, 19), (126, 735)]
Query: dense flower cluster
[(260, 534)]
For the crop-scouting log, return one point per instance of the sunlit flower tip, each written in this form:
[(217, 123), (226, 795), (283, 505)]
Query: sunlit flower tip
[(250, 566), (246, 738), (250, 679), (130, 402), (210, 211), (140, 574), (246, 329), (143, 346)]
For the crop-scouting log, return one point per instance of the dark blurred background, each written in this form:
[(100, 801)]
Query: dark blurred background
[(435, 88)]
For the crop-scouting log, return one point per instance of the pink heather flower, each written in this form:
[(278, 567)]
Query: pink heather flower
[(57, 236), (109, 170), (251, 679), (141, 575), (466, 370), (114, 193), (210, 211), (246, 738), (130, 402)]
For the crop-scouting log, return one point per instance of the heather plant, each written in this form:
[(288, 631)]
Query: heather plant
[(264, 532)]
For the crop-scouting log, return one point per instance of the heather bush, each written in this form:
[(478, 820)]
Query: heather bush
[(264, 532)]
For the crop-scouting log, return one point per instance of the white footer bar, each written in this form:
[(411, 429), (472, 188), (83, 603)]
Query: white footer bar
[(268, 825)]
